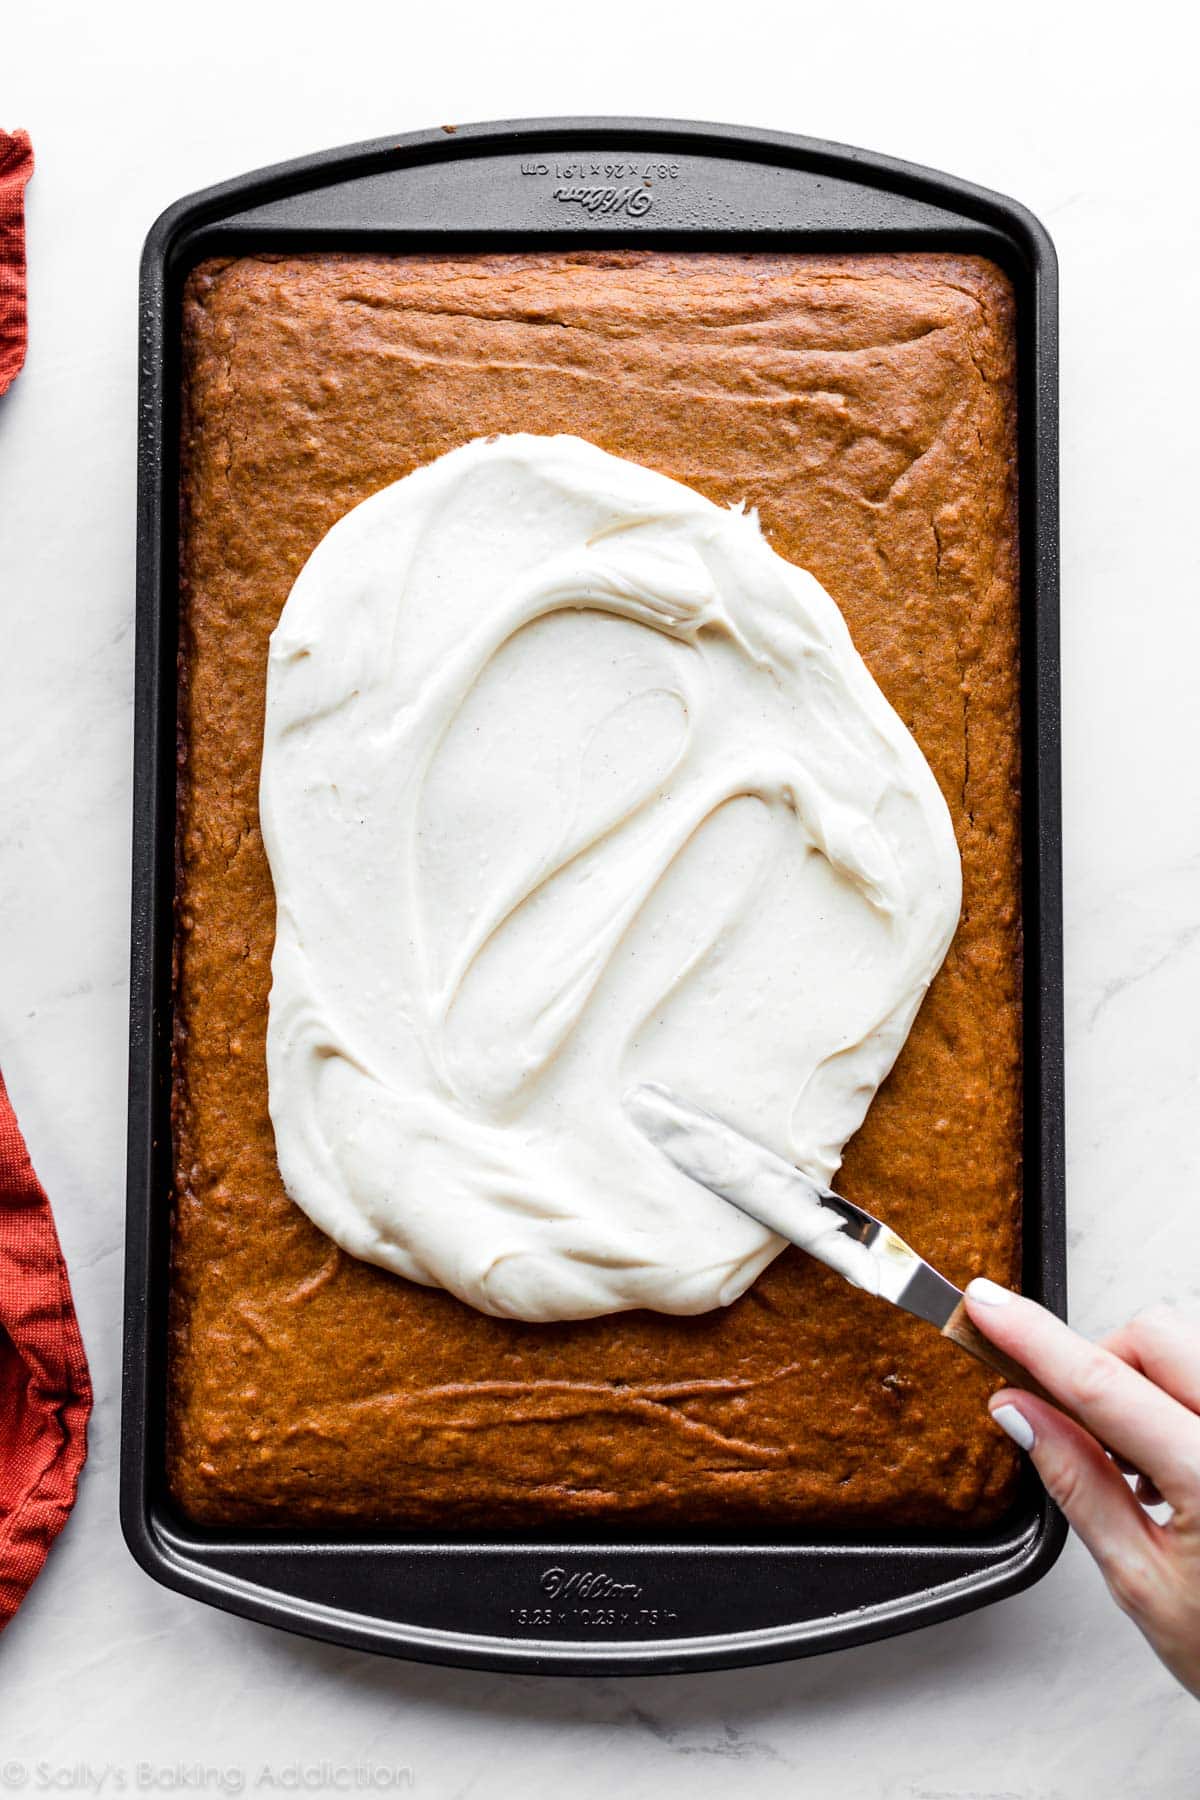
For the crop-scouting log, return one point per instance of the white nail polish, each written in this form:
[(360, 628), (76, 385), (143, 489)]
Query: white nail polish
[(988, 1291), (1015, 1425)]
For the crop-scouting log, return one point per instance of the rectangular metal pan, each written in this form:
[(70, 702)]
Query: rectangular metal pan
[(584, 1605)]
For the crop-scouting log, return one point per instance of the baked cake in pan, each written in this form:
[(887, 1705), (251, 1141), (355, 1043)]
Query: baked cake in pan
[(865, 405)]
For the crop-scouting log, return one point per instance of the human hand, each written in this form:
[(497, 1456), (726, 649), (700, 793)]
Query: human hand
[(1139, 1392)]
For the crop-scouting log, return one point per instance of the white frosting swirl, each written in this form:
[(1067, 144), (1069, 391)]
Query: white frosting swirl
[(570, 782)]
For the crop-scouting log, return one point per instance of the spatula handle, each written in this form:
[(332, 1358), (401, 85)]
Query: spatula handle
[(959, 1329)]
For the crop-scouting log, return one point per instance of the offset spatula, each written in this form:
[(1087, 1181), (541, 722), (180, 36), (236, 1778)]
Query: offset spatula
[(868, 1253)]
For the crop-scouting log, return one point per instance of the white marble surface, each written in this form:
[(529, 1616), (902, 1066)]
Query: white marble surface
[(1050, 1696)]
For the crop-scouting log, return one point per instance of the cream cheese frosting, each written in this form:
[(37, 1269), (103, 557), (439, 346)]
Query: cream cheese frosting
[(570, 783)]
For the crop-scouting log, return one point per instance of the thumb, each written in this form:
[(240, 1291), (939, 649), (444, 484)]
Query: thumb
[(1087, 1486)]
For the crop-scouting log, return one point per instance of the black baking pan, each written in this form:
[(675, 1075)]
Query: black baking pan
[(582, 1604)]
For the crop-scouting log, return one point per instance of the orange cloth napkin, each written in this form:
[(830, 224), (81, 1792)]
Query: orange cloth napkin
[(45, 1389), (16, 166)]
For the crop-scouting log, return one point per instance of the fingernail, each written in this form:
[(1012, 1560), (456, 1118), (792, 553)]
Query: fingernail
[(988, 1291), (1015, 1425)]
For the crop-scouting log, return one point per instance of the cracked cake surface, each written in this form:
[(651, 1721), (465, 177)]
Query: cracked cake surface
[(866, 407)]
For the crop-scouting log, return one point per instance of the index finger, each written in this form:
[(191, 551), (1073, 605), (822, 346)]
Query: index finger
[(1128, 1414)]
